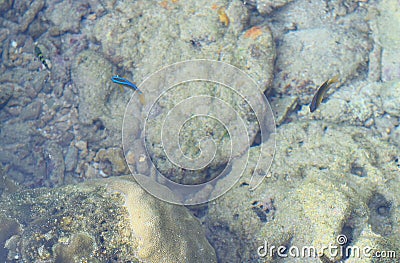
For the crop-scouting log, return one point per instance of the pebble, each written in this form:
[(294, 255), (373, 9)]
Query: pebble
[(71, 159), (111, 160), (5, 94), (32, 111), (368, 123), (81, 145), (130, 157)]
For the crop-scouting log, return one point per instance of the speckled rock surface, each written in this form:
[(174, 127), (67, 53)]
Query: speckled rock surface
[(4, 5), (64, 125), (298, 72), (94, 89), (387, 16), (199, 134), (325, 180), (6, 93), (111, 162), (266, 6), (141, 48), (75, 101), (137, 36), (375, 107), (70, 21), (314, 48), (111, 220)]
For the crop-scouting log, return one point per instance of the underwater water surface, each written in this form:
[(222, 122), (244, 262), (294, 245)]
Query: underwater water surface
[(197, 131)]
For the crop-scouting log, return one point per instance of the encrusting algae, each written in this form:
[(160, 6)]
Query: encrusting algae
[(223, 17)]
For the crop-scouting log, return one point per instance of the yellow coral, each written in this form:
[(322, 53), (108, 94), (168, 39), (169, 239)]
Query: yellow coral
[(223, 17)]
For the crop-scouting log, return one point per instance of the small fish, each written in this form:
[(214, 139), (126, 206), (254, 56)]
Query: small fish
[(41, 57), (123, 81), (319, 95)]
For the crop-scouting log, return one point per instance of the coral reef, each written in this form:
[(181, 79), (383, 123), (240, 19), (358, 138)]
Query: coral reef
[(109, 220)]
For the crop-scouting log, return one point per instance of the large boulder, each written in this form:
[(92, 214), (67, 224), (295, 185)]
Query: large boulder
[(109, 220)]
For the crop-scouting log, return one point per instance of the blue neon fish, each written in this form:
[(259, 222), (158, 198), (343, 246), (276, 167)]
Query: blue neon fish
[(123, 81)]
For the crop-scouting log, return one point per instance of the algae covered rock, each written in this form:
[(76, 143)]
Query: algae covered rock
[(193, 131), (137, 36), (98, 98), (327, 181), (6, 94), (66, 22), (314, 48), (266, 6), (109, 220), (4, 5), (300, 66)]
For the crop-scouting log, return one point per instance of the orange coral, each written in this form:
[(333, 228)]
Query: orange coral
[(214, 6), (223, 17), (164, 4), (253, 32)]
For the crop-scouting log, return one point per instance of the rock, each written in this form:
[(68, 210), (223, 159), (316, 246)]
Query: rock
[(80, 244), (98, 221), (209, 142), (66, 17), (5, 5), (32, 111), (55, 166), (26, 162), (6, 92), (111, 161), (312, 49), (98, 99), (390, 65), (266, 6), (30, 14), (282, 107), (257, 45), (322, 183), (239, 16), (378, 244), (71, 159), (82, 146), (388, 18), (7, 185), (372, 101), (148, 46), (301, 69), (390, 97)]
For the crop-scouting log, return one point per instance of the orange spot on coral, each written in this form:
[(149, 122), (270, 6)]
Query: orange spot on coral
[(214, 6), (175, 1), (223, 17), (164, 4), (253, 32)]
